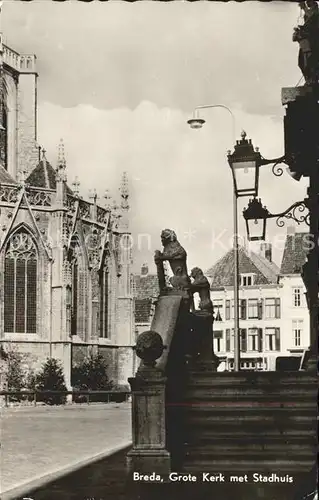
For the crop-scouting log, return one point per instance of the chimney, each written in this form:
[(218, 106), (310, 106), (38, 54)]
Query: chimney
[(266, 251), (144, 270)]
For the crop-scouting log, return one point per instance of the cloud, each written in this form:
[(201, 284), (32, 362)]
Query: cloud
[(179, 177), (177, 54)]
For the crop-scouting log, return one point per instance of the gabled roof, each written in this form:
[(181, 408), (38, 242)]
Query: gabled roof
[(146, 287), (5, 177), (295, 253), (143, 310), (145, 290), (222, 273), (44, 176)]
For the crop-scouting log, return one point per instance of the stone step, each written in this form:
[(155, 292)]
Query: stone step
[(256, 451), (248, 466), (253, 378), (257, 420), (240, 411), (252, 432), (253, 441), (246, 400), (204, 391)]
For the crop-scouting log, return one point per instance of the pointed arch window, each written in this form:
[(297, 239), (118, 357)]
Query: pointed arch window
[(104, 301), (20, 284), (74, 302), (4, 137)]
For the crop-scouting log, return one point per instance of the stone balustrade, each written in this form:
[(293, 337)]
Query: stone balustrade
[(22, 63)]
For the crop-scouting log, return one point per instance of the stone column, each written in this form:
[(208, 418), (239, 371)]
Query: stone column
[(204, 357), (149, 452)]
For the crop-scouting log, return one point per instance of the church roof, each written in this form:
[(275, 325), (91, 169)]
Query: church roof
[(5, 177), (222, 273), (295, 253), (44, 176)]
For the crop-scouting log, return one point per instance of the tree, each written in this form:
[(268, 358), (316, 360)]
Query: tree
[(92, 375), (51, 378), (15, 373)]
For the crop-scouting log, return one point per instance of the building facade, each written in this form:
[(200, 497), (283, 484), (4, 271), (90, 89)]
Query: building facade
[(273, 315), (65, 262), (146, 292)]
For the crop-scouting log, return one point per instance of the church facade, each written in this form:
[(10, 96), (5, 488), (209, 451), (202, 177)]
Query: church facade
[(65, 262)]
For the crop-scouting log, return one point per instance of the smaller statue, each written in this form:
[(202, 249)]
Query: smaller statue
[(179, 281), (201, 285)]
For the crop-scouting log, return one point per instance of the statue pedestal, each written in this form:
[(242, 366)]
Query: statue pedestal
[(290, 94), (203, 354), (149, 452)]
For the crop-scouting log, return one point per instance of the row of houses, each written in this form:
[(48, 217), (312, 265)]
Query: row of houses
[(274, 319)]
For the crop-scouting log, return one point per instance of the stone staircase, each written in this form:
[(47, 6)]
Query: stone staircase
[(250, 422)]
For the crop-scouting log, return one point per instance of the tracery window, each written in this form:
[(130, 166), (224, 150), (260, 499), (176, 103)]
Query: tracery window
[(104, 299), (74, 301), (4, 138), (20, 284)]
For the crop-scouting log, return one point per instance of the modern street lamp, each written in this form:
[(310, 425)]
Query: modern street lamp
[(196, 123)]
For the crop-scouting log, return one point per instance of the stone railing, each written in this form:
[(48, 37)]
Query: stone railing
[(39, 197), (35, 196), (9, 194), (178, 339), (22, 63)]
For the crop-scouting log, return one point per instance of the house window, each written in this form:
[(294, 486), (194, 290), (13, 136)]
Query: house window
[(254, 339), (243, 340), (296, 297), (104, 298), (246, 279), (243, 309), (229, 340), (218, 340), (272, 339), (272, 308), (20, 284), (297, 329), (218, 309), (253, 309)]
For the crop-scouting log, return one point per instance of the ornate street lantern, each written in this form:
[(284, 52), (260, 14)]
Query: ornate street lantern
[(244, 163), (256, 216)]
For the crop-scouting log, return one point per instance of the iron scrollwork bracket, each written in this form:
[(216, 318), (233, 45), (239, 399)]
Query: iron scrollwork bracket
[(276, 170), (295, 212)]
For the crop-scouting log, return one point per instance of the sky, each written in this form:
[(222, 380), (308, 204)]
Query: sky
[(118, 82)]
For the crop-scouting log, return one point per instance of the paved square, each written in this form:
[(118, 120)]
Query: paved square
[(39, 440)]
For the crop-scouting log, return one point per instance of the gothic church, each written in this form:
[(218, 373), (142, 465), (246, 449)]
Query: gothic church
[(65, 263)]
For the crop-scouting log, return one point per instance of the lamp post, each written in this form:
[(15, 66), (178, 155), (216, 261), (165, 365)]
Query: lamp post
[(243, 163), (196, 123), (303, 164)]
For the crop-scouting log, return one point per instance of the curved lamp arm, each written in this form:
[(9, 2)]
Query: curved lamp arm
[(206, 106)]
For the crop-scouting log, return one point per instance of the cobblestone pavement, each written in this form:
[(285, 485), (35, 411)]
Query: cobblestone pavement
[(39, 440)]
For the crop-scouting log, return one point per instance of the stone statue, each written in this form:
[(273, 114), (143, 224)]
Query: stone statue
[(176, 255), (307, 35), (201, 285)]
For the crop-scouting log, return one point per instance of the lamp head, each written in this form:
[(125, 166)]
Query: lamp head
[(196, 123)]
